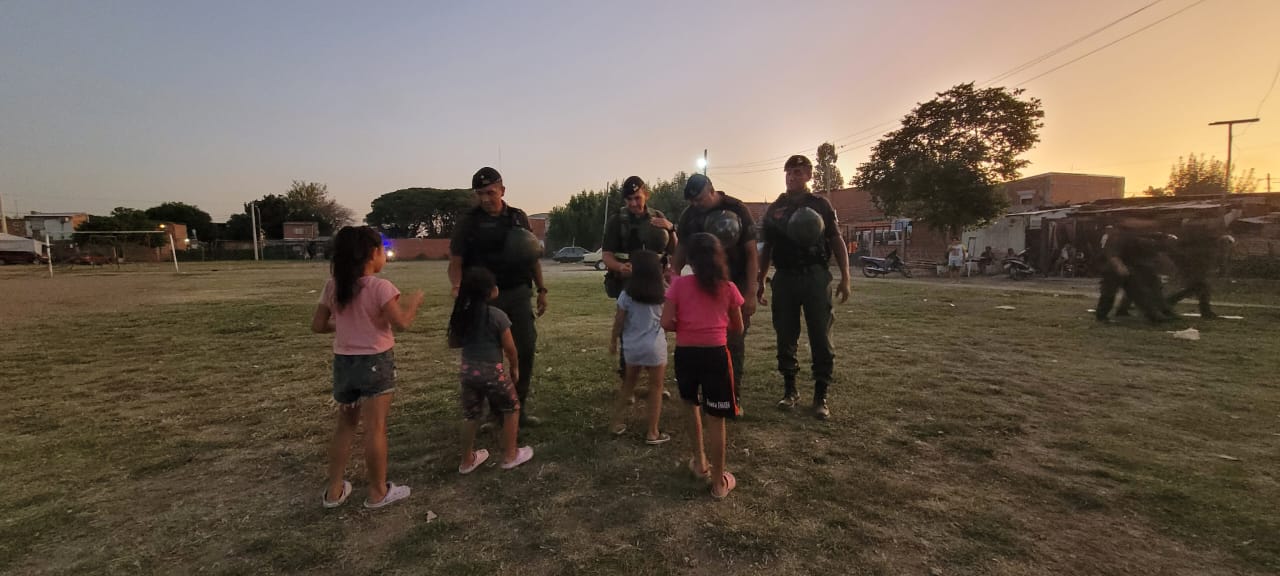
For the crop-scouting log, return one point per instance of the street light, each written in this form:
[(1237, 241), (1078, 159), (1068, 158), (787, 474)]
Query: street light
[(702, 165)]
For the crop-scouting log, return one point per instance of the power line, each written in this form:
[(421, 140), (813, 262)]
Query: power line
[(1269, 89), (1056, 51), (766, 164), (1108, 44)]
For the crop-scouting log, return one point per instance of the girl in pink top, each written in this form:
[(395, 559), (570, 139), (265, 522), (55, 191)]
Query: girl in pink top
[(361, 309), (702, 309)]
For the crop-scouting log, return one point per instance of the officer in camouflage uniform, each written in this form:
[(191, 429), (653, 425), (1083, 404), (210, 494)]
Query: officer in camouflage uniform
[(480, 239), (1196, 254), (802, 282), (707, 213), (1130, 263), (634, 227)]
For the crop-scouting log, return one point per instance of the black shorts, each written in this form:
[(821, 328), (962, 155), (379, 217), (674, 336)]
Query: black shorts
[(705, 376)]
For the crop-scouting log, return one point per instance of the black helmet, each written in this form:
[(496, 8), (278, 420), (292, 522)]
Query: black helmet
[(805, 227), (723, 224)]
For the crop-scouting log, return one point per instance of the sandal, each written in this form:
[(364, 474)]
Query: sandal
[(346, 493), (729, 484), (395, 493), (619, 430), (662, 438), (477, 458), (524, 454)]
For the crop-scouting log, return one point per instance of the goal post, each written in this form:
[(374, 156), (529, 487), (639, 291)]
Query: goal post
[(173, 249)]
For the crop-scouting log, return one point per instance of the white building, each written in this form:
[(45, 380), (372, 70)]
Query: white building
[(58, 225)]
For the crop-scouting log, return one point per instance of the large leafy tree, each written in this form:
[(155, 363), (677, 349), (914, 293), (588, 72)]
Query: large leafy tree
[(1197, 175), (197, 220), (304, 202), (580, 222), (123, 220), (826, 175), (943, 165), (310, 202), (419, 212)]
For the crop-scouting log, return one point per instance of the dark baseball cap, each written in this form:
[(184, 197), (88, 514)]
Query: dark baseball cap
[(797, 161), (484, 177), (694, 186), (632, 185)]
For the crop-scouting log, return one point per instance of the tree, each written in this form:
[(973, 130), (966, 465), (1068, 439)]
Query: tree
[(121, 219), (826, 175), (1155, 192), (581, 221), (197, 220), (310, 202), (419, 212), (945, 162), (1195, 176)]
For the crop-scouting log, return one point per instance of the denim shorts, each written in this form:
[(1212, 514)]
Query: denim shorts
[(356, 377)]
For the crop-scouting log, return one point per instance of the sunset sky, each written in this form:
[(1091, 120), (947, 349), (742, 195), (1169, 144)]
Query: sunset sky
[(128, 103)]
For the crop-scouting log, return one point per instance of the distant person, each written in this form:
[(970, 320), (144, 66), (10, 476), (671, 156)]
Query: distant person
[(1195, 254), (483, 332), (637, 329), (361, 310), (985, 259), (1131, 260), (703, 309), (956, 256)]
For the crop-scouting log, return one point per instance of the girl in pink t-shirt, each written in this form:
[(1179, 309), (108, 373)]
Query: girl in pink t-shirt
[(361, 309), (702, 309)]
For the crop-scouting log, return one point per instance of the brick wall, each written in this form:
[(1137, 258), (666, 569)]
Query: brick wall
[(420, 248)]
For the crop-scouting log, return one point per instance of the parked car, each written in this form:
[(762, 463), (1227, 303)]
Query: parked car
[(569, 254), (91, 259), (594, 259)]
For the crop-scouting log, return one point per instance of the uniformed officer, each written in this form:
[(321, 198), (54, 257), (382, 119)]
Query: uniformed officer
[(634, 227), (1131, 258), (727, 218), (800, 245), (1195, 254), (481, 239)]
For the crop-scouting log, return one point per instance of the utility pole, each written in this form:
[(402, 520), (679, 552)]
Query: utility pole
[(4, 220), (1230, 127), (253, 218)]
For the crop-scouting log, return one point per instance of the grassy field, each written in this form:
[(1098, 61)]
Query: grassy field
[(155, 423)]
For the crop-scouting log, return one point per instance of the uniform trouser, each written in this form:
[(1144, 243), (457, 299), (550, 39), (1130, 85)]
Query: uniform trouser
[(804, 290), (1141, 287), (1198, 286), (737, 344), (515, 302)]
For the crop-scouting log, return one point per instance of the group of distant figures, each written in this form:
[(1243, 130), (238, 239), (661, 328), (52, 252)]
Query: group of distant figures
[(1133, 252)]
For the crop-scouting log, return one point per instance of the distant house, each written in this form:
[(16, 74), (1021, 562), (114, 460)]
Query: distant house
[(1058, 189), (179, 233), (538, 224), (301, 230), (58, 225), (868, 230), (16, 227)]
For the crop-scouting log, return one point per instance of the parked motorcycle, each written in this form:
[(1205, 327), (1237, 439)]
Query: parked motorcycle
[(1018, 268), (873, 267)]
